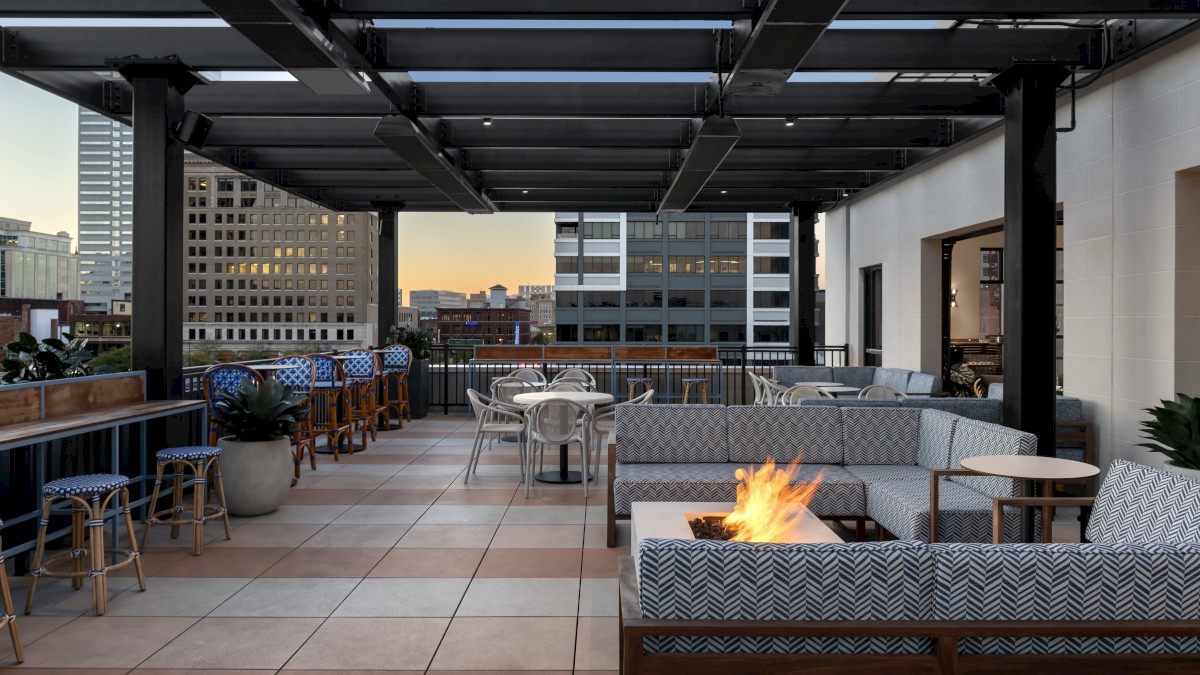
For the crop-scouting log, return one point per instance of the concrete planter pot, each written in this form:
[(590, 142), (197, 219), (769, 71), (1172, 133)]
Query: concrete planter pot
[(419, 386), (257, 475)]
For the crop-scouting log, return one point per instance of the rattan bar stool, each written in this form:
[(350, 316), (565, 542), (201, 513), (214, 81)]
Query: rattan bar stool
[(9, 617), (89, 496), (701, 385), (200, 460), (634, 382)]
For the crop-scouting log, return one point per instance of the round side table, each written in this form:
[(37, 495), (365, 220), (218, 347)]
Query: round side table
[(1030, 469)]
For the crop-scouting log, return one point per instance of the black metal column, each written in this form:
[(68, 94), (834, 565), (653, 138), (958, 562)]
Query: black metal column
[(803, 304), (1029, 248), (388, 297), (158, 231), (947, 298)]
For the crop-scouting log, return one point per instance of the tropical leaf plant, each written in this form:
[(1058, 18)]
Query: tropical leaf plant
[(418, 340), (255, 412), (1175, 428), (27, 360)]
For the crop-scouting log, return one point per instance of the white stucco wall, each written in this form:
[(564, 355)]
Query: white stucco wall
[(1131, 235)]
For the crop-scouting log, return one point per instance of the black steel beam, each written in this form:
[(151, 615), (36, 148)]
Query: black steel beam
[(713, 140), (1018, 9), (389, 299), (1029, 248), (771, 46), (418, 149)]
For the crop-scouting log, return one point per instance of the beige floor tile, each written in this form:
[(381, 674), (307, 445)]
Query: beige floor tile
[(424, 597), (367, 469), (344, 671), (337, 535), (596, 646), (499, 497), (200, 671), (176, 596), (273, 535), (404, 644), (545, 515), (326, 497), (397, 459), (413, 496), (55, 597), (287, 598), (317, 563), (63, 671), (542, 496), (105, 642), (521, 597), (598, 597), (155, 559), (236, 642), (227, 561), (602, 562), (410, 482), (447, 536), (450, 468), (482, 482), (350, 482), (538, 536), (32, 629), (511, 642), (382, 514), (429, 562), (530, 562), (453, 514), (308, 514)]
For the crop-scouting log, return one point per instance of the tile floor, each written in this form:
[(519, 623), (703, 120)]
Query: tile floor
[(384, 561)]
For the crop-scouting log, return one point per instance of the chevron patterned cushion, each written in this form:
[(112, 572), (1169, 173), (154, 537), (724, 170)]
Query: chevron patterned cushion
[(964, 515), (1139, 504), (973, 438), (873, 473), (812, 434), (983, 409), (937, 432), (671, 433), (1048, 582), (880, 435), (840, 493), (724, 580)]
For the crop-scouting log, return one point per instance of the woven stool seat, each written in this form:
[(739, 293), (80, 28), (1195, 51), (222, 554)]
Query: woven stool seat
[(639, 379), (90, 484), (634, 382), (695, 379), (188, 454)]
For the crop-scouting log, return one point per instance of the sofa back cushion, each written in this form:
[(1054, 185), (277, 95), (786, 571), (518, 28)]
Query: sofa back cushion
[(734, 581), (1067, 582), (982, 409), (880, 435), (936, 435), (1139, 504), (973, 438), (682, 434), (789, 375), (786, 433), (924, 383), (896, 378), (854, 376)]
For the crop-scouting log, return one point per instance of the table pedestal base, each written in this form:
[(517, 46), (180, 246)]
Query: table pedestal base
[(560, 477)]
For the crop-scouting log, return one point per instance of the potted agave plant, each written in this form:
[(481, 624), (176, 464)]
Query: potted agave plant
[(256, 455), (1175, 428), (420, 342)]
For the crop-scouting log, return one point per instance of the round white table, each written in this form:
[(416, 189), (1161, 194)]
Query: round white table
[(818, 384), (272, 367), (587, 398), (839, 389), (1031, 468)]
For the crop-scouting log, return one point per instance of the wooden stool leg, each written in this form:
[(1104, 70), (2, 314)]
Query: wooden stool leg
[(10, 612), (78, 523), (98, 572), (137, 558), (631, 387), (703, 392), (38, 552), (220, 487), (687, 388), (153, 504), (176, 498), (199, 492)]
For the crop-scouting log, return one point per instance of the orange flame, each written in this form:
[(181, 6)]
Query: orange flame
[(759, 493)]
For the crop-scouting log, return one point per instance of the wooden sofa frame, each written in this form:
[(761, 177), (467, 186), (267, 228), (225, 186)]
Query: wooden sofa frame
[(944, 659)]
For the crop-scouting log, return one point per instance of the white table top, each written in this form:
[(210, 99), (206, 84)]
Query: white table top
[(818, 384), (348, 357), (581, 397), (840, 389), (1029, 467), (275, 366)]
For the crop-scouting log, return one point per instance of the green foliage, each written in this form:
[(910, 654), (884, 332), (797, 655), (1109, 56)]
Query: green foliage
[(544, 337), (119, 359), (1175, 425), (28, 360), (259, 355), (258, 412), (197, 359), (419, 340)]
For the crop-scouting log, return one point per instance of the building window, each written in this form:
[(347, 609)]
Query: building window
[(601, 298), (249, 185), (727, 298), (644, 230), (686, 264), (771, 333), (566, 333), (771, 230), (685, 298), (566, 265), (566, 299), (729, 229), (644, 264), (643, 332), (224, 185), (685, 332), (686, 229), (991, 291), (601, 265), (719, 332), (605, 230), (771, 265), (601, 332), (771, 299), (643, 298), (225, 202), (728, 264)]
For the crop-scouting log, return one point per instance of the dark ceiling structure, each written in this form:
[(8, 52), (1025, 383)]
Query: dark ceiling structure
[(355, 129)]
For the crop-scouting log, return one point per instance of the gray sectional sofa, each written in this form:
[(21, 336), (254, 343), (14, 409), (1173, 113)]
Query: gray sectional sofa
[(907, 381), (1125, 603), (876, 462)]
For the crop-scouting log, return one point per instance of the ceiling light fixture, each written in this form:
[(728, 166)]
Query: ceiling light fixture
[(789, 122), (724, 191), (524, 192), (487, 121)]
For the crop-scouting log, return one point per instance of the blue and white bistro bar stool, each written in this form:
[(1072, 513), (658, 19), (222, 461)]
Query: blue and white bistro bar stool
[(90, 497), (200, 460)]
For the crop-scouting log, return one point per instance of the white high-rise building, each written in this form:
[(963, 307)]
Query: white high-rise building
[(105, 211)]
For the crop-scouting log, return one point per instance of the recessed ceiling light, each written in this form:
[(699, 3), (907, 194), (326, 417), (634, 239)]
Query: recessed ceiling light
[(487, 121), (724, 191), (789, 122), (524, 192)]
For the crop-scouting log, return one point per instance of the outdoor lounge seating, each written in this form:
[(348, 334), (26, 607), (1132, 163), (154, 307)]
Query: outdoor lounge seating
[(1123, 603), (905, 381), (875, 462)]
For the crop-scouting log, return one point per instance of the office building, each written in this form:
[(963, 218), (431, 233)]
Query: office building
[(427, 302), (484, 326), (536, 291), (691, 278), (543, 312), (105, 210), (269, 271), (35, 265)]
